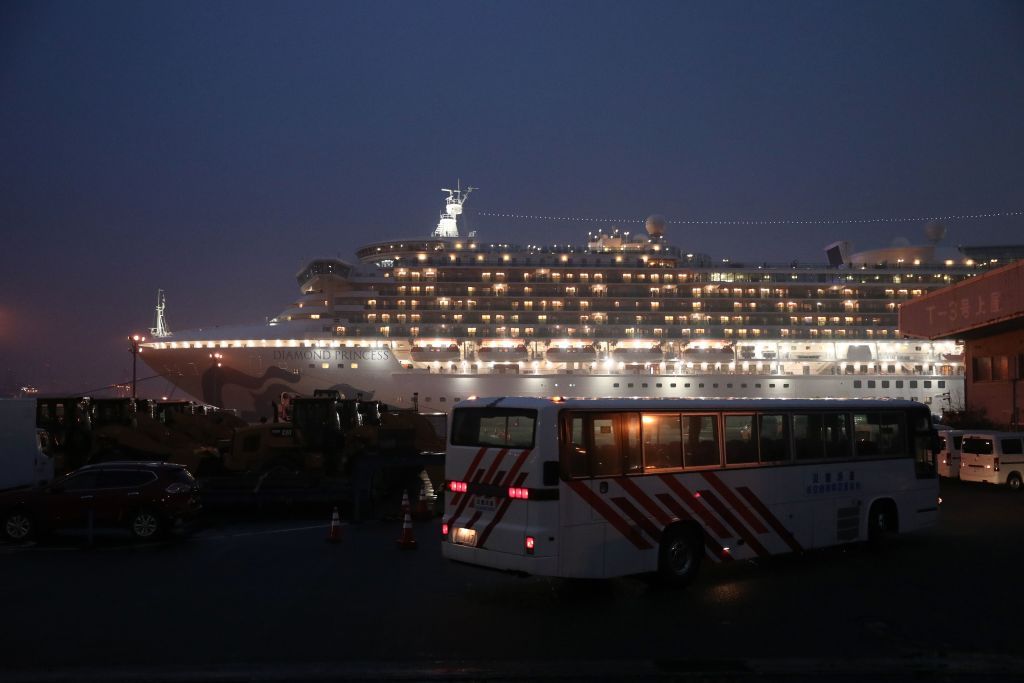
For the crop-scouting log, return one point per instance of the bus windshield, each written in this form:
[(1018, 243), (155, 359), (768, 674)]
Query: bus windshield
[(504, 427)]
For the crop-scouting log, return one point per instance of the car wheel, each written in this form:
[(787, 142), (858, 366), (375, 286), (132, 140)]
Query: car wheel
[(679, 557), (145, 524), (18, 526), (1014, 482)]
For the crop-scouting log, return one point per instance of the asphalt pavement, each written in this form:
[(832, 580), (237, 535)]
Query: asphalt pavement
[(270, 599)]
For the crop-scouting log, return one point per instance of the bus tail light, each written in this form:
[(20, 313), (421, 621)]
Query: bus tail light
[(521, 494), (529, 545), (995, 464), (444, 530), (458, 486)]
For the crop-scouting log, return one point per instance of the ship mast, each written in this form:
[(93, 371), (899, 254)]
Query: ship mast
[(161, 329), (448, 226)]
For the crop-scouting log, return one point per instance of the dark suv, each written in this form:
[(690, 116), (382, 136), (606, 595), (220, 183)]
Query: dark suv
[(146, 498)]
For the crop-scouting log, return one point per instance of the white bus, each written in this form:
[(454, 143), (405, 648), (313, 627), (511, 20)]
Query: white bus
[(613, 487)]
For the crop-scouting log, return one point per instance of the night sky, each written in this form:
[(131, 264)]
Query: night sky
[(210, 148)]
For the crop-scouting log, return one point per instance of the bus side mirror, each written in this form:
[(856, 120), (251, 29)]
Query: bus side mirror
[(550, 473)]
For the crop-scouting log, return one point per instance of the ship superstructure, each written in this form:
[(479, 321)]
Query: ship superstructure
[(430, 321)]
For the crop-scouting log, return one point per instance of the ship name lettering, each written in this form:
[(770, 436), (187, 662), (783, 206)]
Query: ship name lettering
[(361, 354)]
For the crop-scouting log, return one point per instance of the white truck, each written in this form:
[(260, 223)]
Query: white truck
[(24, 450)]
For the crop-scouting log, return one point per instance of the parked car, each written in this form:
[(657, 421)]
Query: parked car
[(949, 452), (993, 458), (146, 498)]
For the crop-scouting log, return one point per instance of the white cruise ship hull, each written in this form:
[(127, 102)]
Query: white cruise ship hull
[(251, 378)]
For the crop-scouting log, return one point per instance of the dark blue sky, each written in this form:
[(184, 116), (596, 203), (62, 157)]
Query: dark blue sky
[(209, 148)]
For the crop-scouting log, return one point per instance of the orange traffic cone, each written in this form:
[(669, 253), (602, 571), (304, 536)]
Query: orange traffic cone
[(334, 533), (406, 540), (422, 509)]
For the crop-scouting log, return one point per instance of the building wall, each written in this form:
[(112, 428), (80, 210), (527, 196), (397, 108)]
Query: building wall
[(994, 384)]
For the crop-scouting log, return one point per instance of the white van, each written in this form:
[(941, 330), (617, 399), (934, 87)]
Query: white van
[(993, 458), (948, 464)]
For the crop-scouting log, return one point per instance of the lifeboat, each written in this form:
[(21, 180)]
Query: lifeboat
[(638, 354), (571, 354), (708, 354), (427, 354), (503, 354)]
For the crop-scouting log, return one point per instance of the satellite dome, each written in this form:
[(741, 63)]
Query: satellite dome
[(655, 225), (935, 231)]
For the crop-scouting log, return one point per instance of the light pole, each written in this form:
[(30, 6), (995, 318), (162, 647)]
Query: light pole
[(135, 340)]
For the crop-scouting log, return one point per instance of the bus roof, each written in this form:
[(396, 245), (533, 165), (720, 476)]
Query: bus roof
[(728, 404)]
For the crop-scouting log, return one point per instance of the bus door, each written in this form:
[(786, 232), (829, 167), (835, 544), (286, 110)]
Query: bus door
[(599, 533)]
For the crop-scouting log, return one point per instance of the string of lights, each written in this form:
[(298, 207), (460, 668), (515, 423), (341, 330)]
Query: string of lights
[(765, 221)]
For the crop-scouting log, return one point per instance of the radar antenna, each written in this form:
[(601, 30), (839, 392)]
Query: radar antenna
[(448, 225), (161, 329)]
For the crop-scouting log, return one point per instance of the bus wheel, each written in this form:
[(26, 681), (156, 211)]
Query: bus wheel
[(1014, 481), (679, 556), (881, 522)]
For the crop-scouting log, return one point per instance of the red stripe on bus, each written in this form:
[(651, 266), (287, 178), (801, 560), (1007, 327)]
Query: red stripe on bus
[(517, 466), (609, 514), (508, 481), (655, 510), (466, 498), (734, 500), (639, 518), (686, 497), (469, 470), (723, 511), (502, 509), (477, 478), (711, 544), (473, 519), (772, 520), (494, 465)]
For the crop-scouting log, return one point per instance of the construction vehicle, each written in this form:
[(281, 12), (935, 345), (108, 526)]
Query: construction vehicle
[(330, 448), (362, 451), (83, 430)]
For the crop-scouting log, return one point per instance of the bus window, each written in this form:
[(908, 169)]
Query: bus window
[(880, 434), (774, 438), (836, 435), (604, 453), (740, 440), (504, 427), (821, 435), (632, 462), (662, 438), (574, 448), (700, 441), (924, 444)]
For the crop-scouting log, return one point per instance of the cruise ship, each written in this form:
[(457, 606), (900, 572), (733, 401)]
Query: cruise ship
[(427, 321)]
